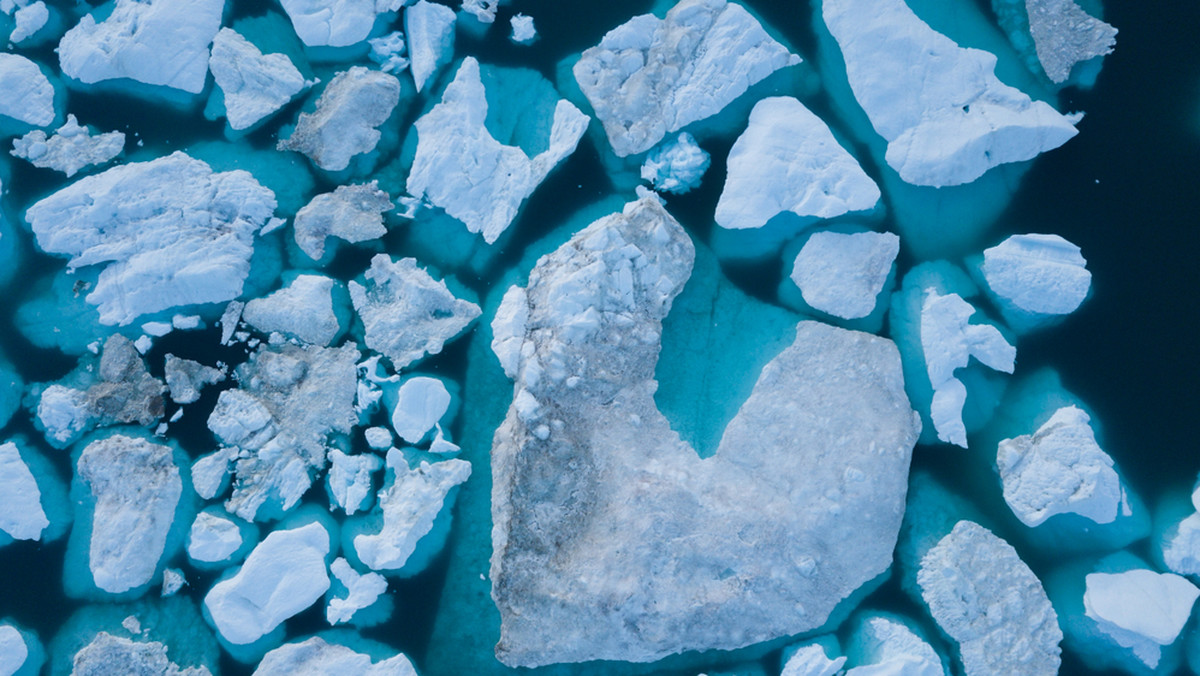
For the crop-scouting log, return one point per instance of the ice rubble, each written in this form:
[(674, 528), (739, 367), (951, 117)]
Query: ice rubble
[(285, 574), (185, 378), (788, 160), (948, 341), (291, 398), (406, 314), (1058, 469), (987, 600), (109, 655), (344, 124), (1139, 609), (254, 85), (353, 213), (21, 514), (649, 77), (29, 96), (316, 657), (1064, 35), (70, 149), (946, 117), (677, 165), (1035, 278), (133, 489), (304, 309), (157, 42), (842, 274), (636, 498), (430, 30), (461, 168), (169, 232)]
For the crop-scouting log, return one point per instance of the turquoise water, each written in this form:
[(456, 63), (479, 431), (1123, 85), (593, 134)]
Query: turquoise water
[(1124, 190)]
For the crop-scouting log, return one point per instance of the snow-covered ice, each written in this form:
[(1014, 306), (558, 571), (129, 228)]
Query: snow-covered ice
[(353, 213), (351, 477), (523, 30), (303, 309), (1059, 469), (333, 23), (788, 160), (185, 378), (21, 514), (461, 168), (13, 651), (316, 656), (28, 20), (1034, 276), (213, 538), (649, 77), (108, 655), (254, 84), (842, 274), (389, 52), (420, 404), (169, 232), (28, 94), (1140, 609), (344, 124), (69, 149), (430, 30), (885, 645), (946, 117)]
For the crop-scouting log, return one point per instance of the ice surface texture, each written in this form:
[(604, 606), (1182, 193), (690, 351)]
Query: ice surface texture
[(29, 96), (612, 538)]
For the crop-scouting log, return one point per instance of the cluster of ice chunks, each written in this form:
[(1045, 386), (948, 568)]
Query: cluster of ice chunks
[(325, 383)]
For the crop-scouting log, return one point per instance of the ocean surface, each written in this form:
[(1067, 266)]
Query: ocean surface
[(1126, 190)]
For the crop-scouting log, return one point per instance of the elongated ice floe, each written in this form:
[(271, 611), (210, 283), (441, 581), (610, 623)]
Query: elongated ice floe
[(946, 117), (788, 160), (285, 574), (353, 213), (157, 42), (594, 497), (344, 124), (1058, 469), (254, 84), (406, 313), (649, 76), (949, 340), (29, 96), (318, 656), (135, 488), (843, 274), (1035, 278), (69, 149), (475, 178), (168, 232), (1139, 609), (1064, 35), (303, 309), (430, 29), (985, 598), (21, 514)]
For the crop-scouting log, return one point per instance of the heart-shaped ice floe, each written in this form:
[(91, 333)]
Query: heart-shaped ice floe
[(612, 538)]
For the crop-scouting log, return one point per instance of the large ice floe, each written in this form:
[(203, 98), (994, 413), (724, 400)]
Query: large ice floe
[(946, 117), (650, 77), (169, 232), (156, 42), (596, 499), (461, 168)]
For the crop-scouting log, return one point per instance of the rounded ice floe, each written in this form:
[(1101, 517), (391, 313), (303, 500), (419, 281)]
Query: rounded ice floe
[(1060, 468), (332, 23), (317, 657), (986, 599), (378, 438), (70, 149), (643, 85), (15, 652), (157, 42), (351, 212), (128, 219), (419, 404), (254, 84), (677, 165), (430, 30), (406, 314), (1140, 610), (948, 341), (1034, 278), (788, 160), (304, 309), (454, 145), (344, 124), (946, 117), (523, 30), (21, 514), (28, 94), (133, 489), (843, 274), (284, 574), (213, 538)]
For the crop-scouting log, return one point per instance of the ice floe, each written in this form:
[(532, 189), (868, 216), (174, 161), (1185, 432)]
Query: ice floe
[(353, 213), (318, 656), (344, 123), (843, 274), (1035, 279), (29, 96), (21, 514), (430, 30), (254, 85), (69, 149), (304, 309)]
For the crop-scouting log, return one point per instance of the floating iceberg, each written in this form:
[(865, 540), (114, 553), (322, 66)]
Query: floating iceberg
[(344, 124), (461, 168), (430, 29), (21, 514), (814, 659), (28, 20), (318, 656), (334, 23), (888, 644), (185, 378), (406, 314), (214, 538), (987, 600), (21, 654), (350, 478), (788, 160), (362, 591), (169, 232), (70, 149), (254, 85), (304, 309), (29, 96), (1035, 278), (585, 466), (843, 274), (1139, 609), (946, 117), (523, 30), (420, 404), (650, 76), (108, 655), (353, 213), (157, 42)]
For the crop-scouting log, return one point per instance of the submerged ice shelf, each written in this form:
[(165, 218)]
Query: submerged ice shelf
[(317, 349)]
